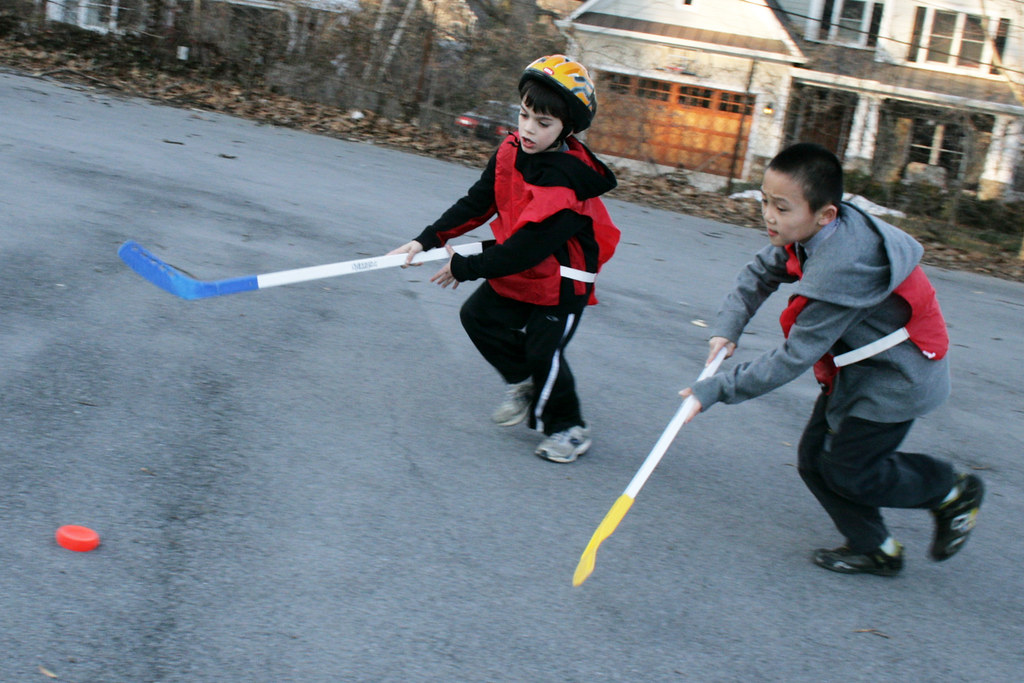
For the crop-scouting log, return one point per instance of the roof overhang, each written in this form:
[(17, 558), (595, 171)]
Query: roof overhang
[(874, 87), (781, 51)]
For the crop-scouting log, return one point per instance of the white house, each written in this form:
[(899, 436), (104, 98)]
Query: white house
[(686, 83), (896, 88)]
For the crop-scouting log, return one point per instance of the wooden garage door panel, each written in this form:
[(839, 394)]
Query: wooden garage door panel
[(691, 137), (708, 150)]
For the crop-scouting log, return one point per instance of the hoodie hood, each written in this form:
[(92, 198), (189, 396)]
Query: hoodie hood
[(576, 168), (868, 257)]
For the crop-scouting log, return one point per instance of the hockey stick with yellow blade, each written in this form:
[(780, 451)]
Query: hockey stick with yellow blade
[(625, 501)]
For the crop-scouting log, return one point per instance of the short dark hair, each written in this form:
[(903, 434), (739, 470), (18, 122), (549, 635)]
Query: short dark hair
[(815, 169), (544, 99)]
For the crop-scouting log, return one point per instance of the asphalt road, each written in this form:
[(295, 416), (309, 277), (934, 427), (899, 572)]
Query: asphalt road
[(302, 484)]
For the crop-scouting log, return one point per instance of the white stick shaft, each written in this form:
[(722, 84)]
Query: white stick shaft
[(674, 425), (287, 277)]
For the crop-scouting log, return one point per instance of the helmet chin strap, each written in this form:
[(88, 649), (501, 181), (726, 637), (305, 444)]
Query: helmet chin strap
[(558, 145), (563, 136)]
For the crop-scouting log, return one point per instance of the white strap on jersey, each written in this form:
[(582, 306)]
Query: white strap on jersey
[(872, 349), (581, 275)]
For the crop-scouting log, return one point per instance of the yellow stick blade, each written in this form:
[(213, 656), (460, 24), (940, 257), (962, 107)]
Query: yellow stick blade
[(604, 530)]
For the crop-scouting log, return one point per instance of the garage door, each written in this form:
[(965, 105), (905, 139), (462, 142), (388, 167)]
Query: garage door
[(673, 124)]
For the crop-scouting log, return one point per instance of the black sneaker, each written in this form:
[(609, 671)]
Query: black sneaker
[(845, 561), (955, 520)]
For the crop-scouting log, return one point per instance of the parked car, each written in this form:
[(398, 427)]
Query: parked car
[(492, 120)]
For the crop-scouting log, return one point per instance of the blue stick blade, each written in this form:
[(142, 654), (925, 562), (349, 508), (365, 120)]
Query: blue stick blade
[(170, 279)]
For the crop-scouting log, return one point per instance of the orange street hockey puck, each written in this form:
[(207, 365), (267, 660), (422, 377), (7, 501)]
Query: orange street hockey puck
[(80, 538)]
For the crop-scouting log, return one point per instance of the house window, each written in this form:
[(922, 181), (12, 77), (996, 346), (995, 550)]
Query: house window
[(691, 96), (654, 90), (70, 12), (98, 15), (956, 38), (971, 43), (737, 103), (678, 94), (940, 46), (853, 22), (937, 144), (851, 14), (620, 83)]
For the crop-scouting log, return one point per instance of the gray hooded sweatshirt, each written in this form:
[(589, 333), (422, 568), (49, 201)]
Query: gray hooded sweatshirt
[(848, 279)]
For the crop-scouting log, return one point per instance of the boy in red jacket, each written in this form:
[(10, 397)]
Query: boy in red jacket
[(553, 234)]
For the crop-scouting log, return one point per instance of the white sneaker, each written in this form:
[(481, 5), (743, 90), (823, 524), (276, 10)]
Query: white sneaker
[(516, 405), (565, 446)]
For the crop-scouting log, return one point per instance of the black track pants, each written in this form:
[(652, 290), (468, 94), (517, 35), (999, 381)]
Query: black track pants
[(523, 341), (857, 470)]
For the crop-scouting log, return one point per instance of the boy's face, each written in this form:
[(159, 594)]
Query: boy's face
[(787, 215), (537, 132)]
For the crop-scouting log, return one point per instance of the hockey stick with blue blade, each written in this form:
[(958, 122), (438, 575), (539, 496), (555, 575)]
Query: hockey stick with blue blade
[(177, 282)]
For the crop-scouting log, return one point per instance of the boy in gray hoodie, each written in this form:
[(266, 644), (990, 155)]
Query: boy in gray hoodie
[(864, 315)]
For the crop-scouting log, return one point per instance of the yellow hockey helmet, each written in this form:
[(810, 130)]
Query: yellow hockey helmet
[(570, 78)]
